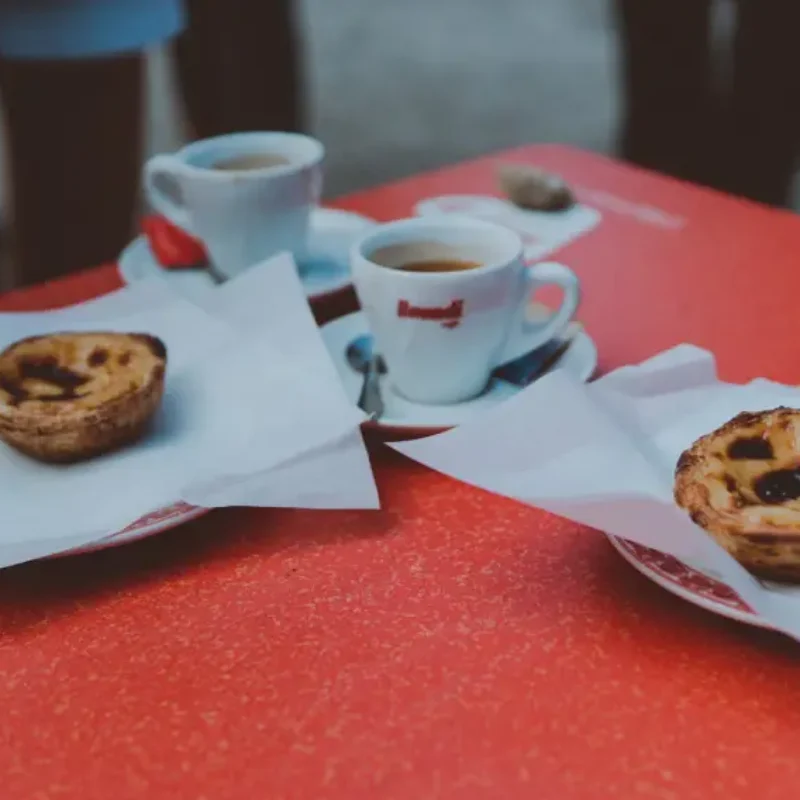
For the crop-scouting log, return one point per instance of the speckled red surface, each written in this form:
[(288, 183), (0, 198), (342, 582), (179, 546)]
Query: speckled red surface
[(453, 645)]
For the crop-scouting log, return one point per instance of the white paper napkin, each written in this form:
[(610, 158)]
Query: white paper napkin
[(604, 455), (253, 414)]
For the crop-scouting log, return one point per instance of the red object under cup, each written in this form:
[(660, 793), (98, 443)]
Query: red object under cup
[(172, 247)]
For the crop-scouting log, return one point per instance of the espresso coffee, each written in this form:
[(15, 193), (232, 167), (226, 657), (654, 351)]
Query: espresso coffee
[(440, 265), (250, 161)]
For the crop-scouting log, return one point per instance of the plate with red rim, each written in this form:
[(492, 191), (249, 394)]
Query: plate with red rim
[(324, 272), (687, 582), (404, 418), (155, 522)]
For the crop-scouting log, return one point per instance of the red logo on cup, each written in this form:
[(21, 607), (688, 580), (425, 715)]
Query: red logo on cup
[(449, 316)]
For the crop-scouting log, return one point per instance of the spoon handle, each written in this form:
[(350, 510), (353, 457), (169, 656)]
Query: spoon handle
[(371, 400), (215, 275)]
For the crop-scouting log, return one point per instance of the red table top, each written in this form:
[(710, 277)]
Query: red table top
[(454, 644)]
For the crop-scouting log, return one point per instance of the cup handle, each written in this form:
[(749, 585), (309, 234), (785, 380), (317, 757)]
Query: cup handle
[(552, 273), (162, 188)]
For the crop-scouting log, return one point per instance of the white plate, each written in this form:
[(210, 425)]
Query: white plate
[(686, 582), (157, 522), (324, 271), (402, 415)]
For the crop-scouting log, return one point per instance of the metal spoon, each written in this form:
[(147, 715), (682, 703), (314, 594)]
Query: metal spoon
[(216, 276), (361, 357), (529, 367)]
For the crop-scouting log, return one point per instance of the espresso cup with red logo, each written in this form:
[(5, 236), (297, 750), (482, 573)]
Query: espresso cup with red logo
[(446, 298)]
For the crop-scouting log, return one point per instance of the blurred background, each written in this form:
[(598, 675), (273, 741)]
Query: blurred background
[(395, 87), (398, 86)]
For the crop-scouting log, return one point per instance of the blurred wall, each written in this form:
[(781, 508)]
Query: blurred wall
[(397, 86)]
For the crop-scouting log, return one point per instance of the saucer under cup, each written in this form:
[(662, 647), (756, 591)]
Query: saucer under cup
[(324, 270), (403, 418)]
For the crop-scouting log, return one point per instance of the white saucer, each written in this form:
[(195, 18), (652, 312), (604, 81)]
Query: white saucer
[(324, 271), (405, 416)]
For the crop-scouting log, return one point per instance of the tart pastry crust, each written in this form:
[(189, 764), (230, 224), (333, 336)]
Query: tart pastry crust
[(741, 483), (71, 396)]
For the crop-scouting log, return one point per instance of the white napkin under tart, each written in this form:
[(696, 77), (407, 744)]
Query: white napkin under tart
[(604, 455), (253, 415)]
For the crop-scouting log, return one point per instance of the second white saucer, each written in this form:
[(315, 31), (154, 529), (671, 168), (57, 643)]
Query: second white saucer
[(324, 271), (403, 416)]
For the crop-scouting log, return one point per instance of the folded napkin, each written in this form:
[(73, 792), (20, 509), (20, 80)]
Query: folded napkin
[(253, 414), (604, 455)]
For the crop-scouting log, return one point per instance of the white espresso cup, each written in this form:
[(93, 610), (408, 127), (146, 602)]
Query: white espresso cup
[(442, 333), (246, 196)]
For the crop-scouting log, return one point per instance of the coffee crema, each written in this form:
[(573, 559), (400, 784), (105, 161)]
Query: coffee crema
[(250, 161), (439, 265)]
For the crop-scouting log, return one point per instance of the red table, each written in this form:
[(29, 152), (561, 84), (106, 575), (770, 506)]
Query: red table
[(453, 645)]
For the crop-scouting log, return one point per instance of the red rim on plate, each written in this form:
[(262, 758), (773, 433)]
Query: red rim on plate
[(163, 519), (686, 582)]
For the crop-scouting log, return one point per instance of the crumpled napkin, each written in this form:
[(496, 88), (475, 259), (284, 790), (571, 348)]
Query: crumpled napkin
[(604, 455), (253, 414)]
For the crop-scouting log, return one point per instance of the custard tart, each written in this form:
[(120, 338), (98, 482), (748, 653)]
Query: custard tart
[(741, 483), (71, 396)]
